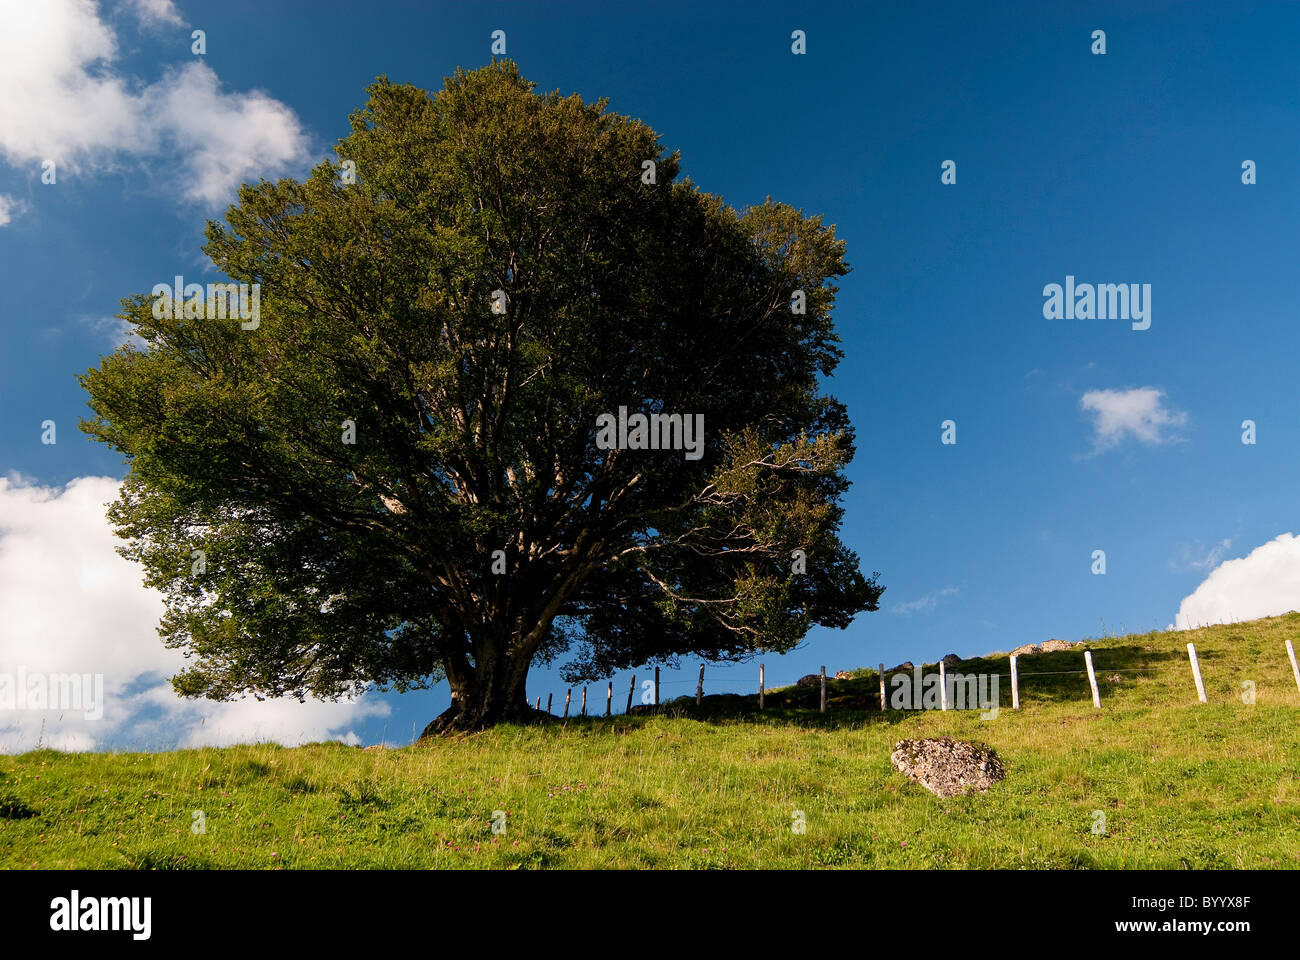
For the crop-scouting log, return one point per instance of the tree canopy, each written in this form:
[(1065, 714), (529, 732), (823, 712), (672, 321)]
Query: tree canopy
[(503, 269)]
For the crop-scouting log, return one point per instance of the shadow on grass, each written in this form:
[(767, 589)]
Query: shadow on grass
[(1056, 677), (1062, 675), (835, 718), (12, 808)]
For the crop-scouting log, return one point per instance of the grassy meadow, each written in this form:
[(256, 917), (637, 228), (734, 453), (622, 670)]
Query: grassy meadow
[(1180, 784)]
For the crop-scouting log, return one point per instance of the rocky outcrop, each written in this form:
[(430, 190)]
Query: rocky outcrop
[(948, 767)]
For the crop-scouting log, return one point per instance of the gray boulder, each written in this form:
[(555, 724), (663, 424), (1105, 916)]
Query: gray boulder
[(948, 767)]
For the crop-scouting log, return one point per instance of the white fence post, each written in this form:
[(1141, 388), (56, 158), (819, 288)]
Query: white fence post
[(882, 687), (1092, 679), (1015, 685), (1196, 672), (1295, 671), (943, 687)]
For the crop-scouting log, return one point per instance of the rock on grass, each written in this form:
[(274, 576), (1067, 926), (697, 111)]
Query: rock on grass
[(948, 767)]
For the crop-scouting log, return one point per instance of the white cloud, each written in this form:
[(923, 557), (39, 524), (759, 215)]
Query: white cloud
[(9, 206), (228, 138), (113, 330), (1263, 584), (1139, 412), (70, 605), (60, 101), (1214, 557), (63, 101), (927, 602), (156, 13), (1194, 556)]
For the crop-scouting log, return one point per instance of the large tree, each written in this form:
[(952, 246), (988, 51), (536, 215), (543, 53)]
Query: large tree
[(503, 269)]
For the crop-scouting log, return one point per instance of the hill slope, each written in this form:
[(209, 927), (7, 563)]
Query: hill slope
[(1179, 784)]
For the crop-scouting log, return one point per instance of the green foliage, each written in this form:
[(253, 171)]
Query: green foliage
[(330, 566)]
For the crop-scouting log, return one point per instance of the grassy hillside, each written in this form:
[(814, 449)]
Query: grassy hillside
[(1180, 784)]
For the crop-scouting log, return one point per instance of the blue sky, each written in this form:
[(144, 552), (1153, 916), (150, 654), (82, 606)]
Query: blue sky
[(1117, 168)]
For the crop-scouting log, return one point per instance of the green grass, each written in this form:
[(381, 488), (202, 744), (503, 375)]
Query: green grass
[(1182, 785)]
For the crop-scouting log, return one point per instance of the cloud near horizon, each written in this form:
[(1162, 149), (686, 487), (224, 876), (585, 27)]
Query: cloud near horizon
[(69, 604), (1265, 583)]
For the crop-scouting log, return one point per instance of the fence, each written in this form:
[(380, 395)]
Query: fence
[(1016, 675)]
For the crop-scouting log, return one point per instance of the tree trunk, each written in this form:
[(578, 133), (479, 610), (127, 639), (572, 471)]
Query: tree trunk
[(491, 693)]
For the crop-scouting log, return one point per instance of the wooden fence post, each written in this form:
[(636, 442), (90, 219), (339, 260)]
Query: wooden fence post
[(609, 699), (882, 687), (567, 695), (539, 704), (1196, 672), (548, 703), (699, 688), (584, 701), (656, 686), (1092, 679), (823, 688), (1015, 685), (1295, 671), (943, 687), (631, 687), (761, 690)]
